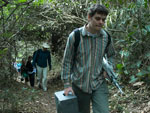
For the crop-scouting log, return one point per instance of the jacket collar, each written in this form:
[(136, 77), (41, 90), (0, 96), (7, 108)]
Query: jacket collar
[(86, 33)]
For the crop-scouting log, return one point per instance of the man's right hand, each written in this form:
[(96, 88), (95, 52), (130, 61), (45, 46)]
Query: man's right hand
[(67, 90)]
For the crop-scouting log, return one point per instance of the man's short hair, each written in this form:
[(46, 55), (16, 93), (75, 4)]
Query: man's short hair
[(97, 8)]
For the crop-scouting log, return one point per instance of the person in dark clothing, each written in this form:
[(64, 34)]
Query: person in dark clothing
[(30, 71), (24, 70), (41, 60)]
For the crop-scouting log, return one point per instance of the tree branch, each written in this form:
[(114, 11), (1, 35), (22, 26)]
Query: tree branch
[(11, 13), (19, 16)]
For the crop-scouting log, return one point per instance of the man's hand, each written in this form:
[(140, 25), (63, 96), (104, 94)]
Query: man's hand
[(105, 75), (67, 90)]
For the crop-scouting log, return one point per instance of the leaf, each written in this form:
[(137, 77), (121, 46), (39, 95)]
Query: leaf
[(147, 55), (4, 51), (146, 3), (107, 5), (142, 73), (138, 84), (24, 88), (7, 34), (33, 91), (144, 31), (131, 33), (140, 2), (138, 64), (132, 5), (119, 66), (124, 53), (133, 79), (148, 68), (147, 28), (126, 72), (22, 1)]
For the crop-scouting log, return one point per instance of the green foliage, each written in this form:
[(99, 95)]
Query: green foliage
[(3, 52), (11, 95), (131, 39)]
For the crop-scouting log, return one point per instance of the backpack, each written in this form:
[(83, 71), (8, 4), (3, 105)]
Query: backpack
[(77, 40)]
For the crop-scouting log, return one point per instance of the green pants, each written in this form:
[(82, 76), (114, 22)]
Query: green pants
[(99, 99)]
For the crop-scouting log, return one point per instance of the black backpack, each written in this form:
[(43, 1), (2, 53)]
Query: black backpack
[(77, 40)]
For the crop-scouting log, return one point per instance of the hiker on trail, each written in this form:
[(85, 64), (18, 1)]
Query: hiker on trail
[(82, 71), (41, 60), (17, 66), (24, 71), (30, 71)]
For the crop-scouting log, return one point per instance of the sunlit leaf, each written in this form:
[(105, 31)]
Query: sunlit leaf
[(3, 51), (24, 88), (138, 64), (131, 33), (133, 79), (147, 55), (142, 73), (148, 68), (126, 72), (124, 53), (144, 31), (146, 3), (119, 66), (22, 1), (140, 2), (147, 28)]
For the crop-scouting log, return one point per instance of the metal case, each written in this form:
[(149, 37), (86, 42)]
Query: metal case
[(66, 104)]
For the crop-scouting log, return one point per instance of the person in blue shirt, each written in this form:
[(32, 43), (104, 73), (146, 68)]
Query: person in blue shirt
[(41, 60)]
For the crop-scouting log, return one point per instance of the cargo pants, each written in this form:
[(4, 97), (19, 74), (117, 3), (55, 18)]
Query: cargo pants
[(98, 99)]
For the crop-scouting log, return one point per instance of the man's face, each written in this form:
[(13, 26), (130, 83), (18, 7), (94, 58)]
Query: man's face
[(97, 21), (44, 49)]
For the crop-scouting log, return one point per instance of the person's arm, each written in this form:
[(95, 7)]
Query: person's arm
[(67, 63), (49, 60)]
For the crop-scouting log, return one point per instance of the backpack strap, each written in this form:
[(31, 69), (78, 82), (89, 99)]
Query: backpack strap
[(109, 41), (76, 43), (77, 40)]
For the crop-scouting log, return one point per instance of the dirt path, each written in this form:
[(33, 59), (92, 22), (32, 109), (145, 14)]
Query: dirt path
[(35, 100), (45, 101), (25, 99), (48, 97)]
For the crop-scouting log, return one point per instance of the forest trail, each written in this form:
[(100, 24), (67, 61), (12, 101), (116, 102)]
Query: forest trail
[(134, 101), (45, 101), (35, 100), (22, 98)]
